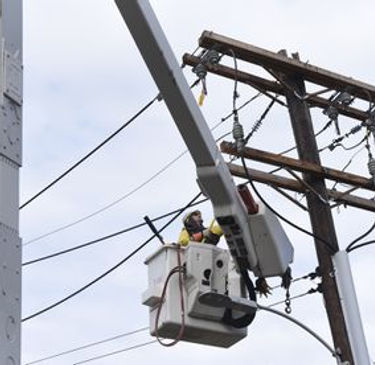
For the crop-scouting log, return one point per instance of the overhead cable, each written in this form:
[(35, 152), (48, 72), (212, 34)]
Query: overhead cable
[(258, 123), (359, 245), (67, 352), (89, 154), (104, 238), (310, 276), (350, 161), (361, 237), (116, 352), (304, 327), (135, 116), (113, 268), (136, 189), (110, 205)]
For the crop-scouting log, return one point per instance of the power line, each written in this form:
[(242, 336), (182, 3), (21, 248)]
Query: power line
[(110, 137), (359, 245), (259, 122), (303, 326), (310, 276), (311, 291), (89, 154), (351, 159), (337, 142), (349, 248), (136, 189), (265, 308), (290, 149), (110, 205), (113, 338), (112, 235), (113, 268), (116, 352)]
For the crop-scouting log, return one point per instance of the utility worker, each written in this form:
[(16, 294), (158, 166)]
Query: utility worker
[(195, 231)]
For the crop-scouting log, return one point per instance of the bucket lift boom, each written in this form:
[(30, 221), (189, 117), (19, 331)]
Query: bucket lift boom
[(213, 174)]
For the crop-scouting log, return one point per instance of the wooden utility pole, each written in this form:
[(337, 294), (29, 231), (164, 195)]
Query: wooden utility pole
[(290, 75), (319, 210)]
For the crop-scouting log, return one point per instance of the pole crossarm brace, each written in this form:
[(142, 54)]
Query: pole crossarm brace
[(293, 185), (271, 86), (277, 62), (299, 165)]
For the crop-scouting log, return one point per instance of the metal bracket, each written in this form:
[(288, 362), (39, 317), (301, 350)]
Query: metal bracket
[(12, 73), (11, 130)]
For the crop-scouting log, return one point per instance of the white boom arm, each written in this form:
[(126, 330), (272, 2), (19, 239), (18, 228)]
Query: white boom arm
[(212, 171)]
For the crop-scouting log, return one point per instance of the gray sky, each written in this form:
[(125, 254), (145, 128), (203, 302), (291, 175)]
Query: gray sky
[(83, 78)]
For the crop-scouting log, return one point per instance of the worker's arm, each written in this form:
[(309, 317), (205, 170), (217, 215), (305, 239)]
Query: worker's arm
[(213, 233)]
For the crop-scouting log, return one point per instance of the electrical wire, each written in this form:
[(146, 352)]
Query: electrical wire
[(104, 238), (325, 242), (362, 236), (154, 341), (303, 326), (310, 276), (110, 339), (258, 123), (136, 189), (311, 291), (100, 145), (110, 205), (116, 352), (359, 245), (89, 154), (337, 141), (348, 164), (129, 348), (113, 268), (235, 93), (290, 149), (246, 103)]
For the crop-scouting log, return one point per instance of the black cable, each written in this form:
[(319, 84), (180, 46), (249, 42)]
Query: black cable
[(113, 268), (326, 243), (295, 147), (115, 234), (362, 236), (325, 127), (363, 244), (337, 142), (241, 106), (169, 164), (310, 276), (235, 93), (354, 146), (348, 164), (84, 158), (99, 146), (258, 123)]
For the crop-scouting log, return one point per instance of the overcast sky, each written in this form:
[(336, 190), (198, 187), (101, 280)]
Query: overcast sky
[(83, 78)]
